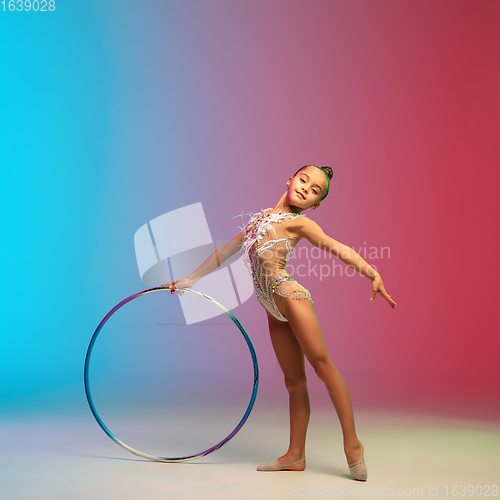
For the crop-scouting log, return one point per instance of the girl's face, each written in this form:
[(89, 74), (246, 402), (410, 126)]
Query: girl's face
[(306, 189)]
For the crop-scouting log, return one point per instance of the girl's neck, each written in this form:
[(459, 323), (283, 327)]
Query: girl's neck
[(283, 208)]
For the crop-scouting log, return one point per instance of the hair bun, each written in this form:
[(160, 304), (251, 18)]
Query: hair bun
[(328, 171)]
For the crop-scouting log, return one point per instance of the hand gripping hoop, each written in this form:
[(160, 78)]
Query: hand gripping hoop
[(145, 455)]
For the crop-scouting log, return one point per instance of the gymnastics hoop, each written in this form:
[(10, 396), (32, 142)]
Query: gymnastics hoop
[(145, 455)]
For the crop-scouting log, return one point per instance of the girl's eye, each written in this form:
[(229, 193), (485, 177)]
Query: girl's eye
[(302, 180), (314, 192)]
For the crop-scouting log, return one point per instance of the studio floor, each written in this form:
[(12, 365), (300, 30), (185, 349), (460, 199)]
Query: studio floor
[(407, 455)]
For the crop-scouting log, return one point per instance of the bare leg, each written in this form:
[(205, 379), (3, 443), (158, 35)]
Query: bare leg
[(304, 325), (291, 360)]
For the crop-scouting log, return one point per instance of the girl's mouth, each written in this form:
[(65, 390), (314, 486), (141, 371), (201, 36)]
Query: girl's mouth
[(301, 195)]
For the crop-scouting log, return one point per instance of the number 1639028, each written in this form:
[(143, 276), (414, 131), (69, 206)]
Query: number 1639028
[(28, 5)]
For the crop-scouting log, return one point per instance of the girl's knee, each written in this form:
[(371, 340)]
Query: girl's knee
[(323, 367), (295, 384)]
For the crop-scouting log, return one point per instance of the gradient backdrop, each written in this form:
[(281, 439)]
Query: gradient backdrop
[(113, 113)]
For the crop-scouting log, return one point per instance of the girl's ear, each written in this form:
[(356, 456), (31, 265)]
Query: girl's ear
[(314, 207)]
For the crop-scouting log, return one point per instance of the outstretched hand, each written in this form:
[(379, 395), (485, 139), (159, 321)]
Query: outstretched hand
[(180, 283), (378, 287)]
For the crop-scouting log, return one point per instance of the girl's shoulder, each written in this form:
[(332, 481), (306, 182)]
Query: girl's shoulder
[(298, 227)]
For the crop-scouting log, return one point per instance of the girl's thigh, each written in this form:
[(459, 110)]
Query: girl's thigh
[(287, 349), (305, 327)]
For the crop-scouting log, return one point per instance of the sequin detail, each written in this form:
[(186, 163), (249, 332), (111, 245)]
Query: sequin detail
[(266, 260)]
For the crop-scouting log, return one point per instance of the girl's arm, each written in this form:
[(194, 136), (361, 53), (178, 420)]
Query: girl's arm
[(313, 233), (215, 260), (306, 228)]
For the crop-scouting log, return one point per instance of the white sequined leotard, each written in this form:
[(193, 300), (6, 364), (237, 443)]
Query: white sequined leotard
[(265, 250)]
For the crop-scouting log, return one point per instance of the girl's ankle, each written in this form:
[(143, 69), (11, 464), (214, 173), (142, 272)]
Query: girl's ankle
[(352, 445)]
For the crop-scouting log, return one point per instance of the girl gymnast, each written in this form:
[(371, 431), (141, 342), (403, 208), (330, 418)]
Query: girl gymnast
[(265, 244)]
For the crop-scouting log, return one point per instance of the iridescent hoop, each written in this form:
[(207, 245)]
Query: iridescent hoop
[(145, 455)]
